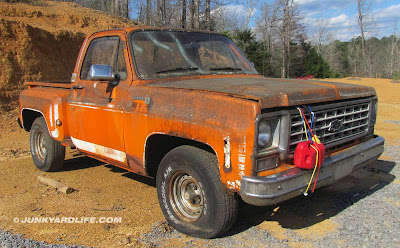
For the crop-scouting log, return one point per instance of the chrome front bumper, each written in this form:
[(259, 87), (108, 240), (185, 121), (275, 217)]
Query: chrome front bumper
[(269, 190)]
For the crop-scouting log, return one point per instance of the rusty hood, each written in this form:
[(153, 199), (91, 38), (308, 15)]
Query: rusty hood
[(273, 92)]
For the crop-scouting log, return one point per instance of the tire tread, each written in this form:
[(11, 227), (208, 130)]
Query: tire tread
[(55, 151)]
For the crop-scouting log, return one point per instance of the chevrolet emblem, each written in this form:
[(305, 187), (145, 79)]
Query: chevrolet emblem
[(335, 126)]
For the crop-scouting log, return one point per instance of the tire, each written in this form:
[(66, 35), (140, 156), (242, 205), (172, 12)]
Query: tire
[(47, 153), (190, 193)]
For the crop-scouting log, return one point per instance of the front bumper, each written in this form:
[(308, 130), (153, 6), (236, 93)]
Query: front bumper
[(269, 190)]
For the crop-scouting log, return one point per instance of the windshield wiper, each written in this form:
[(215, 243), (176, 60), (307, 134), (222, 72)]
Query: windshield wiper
[(178, 69), (224, 69)]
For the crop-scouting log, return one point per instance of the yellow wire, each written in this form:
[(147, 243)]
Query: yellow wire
[(315, 168), (304, 123), (316, 161)]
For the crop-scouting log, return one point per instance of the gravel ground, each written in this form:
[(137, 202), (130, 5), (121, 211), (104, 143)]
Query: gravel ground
[(7, 239), (362, 210)]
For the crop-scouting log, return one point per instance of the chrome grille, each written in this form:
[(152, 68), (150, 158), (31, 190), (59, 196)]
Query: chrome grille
[(354, 118)]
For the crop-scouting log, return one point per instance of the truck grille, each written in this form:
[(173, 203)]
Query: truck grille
[(334, 124)]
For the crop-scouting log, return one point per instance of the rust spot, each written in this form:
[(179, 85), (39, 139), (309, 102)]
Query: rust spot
[(135, 164)]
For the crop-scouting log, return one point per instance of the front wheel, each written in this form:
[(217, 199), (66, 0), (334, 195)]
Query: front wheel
[(190, 193), (47, 153)]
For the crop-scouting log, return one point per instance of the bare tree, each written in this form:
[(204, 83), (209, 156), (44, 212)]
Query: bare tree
[(183, 19), (250, 8), (268, 34), (138, 8), (365, 25), (280, 24), (161, 12), (208, 15), (126, 9), (148, 13), (321, 35), (228, 19), (285, 35), (290, 25), (393, 54), (197, 14), (361, 13)]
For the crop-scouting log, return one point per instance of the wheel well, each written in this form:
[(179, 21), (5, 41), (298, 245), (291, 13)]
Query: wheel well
[(158, 145), (28, 117)]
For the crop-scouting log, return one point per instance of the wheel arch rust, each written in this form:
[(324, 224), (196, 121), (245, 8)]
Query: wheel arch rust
[(154, 152)]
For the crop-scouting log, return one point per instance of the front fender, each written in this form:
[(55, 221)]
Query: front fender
[(224, 123)]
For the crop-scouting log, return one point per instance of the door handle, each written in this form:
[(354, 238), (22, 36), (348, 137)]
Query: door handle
[(78, 87)]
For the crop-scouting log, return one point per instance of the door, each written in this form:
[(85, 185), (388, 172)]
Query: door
[(97, 108)]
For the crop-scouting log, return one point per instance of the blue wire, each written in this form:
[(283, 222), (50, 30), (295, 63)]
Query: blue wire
[(312, 120), (312, 117)]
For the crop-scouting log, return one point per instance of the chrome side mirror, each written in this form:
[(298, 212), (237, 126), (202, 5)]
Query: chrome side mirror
[(101, 73)]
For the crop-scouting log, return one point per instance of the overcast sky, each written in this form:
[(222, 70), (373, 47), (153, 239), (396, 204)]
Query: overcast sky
[(342, 16)]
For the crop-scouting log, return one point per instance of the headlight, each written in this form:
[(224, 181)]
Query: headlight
[(264, 134), (268, 133)]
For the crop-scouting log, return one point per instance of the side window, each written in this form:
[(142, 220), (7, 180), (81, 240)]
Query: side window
[(105, 51)]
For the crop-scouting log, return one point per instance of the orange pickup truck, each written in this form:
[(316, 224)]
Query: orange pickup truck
[(189, 109)]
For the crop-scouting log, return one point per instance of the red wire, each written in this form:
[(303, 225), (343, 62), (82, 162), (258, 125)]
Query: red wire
[(316, 178), (319, 151)]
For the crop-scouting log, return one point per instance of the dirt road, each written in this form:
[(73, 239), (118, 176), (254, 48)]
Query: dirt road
[(360, 210)]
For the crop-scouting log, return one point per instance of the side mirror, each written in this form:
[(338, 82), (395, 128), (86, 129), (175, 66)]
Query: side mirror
[(101, 73)]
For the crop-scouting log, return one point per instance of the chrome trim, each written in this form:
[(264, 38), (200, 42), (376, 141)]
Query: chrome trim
[(354, 117)]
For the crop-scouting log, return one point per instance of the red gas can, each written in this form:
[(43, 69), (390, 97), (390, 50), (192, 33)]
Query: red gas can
[(305, 156)]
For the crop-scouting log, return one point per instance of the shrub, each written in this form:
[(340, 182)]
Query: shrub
[(396, 75)]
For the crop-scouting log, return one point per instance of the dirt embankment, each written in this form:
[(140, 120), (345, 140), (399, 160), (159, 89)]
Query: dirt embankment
[(41, 42)]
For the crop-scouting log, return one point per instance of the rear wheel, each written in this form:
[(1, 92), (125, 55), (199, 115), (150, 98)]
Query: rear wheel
[(47, 153), (190, 193)]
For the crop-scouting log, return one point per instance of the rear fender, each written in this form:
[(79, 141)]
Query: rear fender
[(35, 103)]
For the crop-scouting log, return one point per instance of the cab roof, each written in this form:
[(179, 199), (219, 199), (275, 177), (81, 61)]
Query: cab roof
[(139, 28)]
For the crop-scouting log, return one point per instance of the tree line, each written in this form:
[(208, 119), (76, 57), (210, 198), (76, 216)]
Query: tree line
[(273, 34), (187, 14)]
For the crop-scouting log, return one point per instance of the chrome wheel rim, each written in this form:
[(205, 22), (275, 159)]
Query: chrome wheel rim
[(39, 145), (186, 197)]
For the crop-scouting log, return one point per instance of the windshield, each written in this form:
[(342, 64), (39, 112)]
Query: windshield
[(160, 54)]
